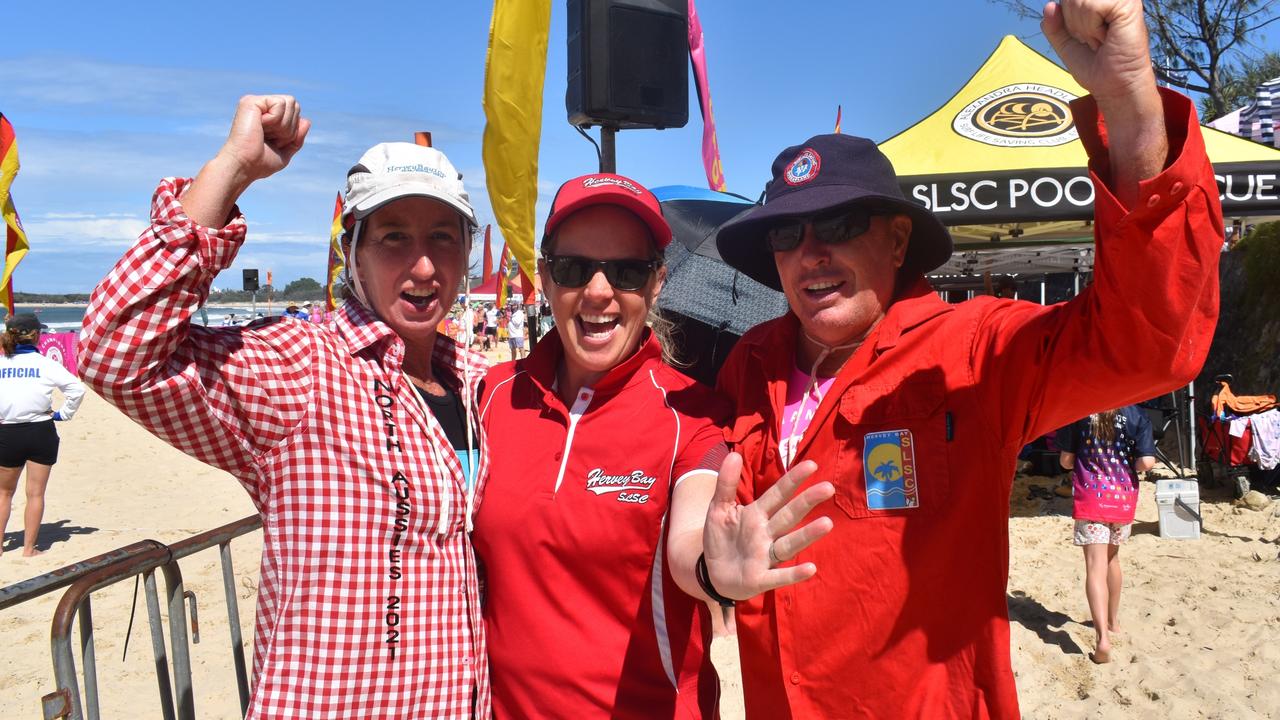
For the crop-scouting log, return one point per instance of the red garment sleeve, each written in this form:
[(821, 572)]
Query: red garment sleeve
[(1143, 327), (223, 396)]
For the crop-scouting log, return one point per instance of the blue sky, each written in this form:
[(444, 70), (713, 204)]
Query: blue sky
[(107, 98)]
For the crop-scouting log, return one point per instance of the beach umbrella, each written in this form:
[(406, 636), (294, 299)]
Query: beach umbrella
[(711, 304)]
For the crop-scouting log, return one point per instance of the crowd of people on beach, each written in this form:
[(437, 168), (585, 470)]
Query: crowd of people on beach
[(556, 534)]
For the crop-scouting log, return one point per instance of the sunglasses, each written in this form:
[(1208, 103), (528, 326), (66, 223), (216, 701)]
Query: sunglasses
[(572, 271), (831, 228)]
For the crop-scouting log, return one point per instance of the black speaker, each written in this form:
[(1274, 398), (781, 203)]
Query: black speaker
[(628, 63), (250, 280)]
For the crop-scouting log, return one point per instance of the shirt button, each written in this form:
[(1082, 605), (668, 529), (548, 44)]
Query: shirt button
[(559, 455), (1177, 188), (1153, 201), (795, 678), (769, 454)]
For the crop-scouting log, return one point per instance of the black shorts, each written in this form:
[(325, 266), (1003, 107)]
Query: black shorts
[(491, 331), (20, 442)]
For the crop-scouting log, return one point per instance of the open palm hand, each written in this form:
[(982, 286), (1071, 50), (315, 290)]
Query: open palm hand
[(745, 545)]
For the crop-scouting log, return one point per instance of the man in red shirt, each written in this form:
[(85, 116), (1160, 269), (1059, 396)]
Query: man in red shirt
[(915, 409)]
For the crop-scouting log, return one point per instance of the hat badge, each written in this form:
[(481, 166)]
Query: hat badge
[(803, 168)]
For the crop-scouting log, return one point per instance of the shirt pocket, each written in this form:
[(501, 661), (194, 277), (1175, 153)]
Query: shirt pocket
[(892, 458)]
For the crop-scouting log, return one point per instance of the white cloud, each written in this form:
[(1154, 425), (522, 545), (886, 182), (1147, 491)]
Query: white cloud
[(75, 231), (131, 89), (82, 215)]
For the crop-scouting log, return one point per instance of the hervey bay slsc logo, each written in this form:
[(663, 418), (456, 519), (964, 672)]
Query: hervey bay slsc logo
[(889, 467), (598, 181), (1022, 115), (632, 487)]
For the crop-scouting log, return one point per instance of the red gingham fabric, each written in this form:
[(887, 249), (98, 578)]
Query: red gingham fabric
[(365, 609)]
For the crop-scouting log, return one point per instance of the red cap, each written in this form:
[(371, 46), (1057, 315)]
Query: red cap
[(607, 189)]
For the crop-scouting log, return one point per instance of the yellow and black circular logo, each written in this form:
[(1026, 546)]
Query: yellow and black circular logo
[(1019, 116)]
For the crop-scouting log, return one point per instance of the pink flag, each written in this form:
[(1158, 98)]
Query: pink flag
[(59, 347), (710, 146)]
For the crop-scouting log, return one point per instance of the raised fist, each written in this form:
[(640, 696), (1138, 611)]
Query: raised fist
[(1104, 45), (265, 134)]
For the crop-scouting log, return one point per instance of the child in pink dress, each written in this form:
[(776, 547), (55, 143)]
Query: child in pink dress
[(1105, 452)]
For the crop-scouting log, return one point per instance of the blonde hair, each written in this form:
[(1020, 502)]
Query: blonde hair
[(664, 331)]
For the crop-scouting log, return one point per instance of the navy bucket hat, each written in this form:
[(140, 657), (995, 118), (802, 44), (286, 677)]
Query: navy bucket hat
[(825, 173)]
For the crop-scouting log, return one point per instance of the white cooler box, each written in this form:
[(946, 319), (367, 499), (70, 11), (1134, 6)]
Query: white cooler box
[(1175, 521)]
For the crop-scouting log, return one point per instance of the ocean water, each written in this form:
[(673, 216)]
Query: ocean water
[(68, 318)]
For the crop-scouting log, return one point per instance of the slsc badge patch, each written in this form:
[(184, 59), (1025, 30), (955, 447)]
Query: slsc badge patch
[(889, 467)]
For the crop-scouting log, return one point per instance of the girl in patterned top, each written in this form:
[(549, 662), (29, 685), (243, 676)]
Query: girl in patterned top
[(1105, 452)]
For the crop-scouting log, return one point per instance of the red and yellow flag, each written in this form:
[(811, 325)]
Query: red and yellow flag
[(15, 246), (504, 278), (337, 263), (838, 109)]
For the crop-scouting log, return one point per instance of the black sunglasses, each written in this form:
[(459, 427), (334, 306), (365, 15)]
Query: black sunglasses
[(572, 271), (829, 228)]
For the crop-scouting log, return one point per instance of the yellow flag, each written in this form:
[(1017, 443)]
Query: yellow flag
[(514, 72), (15, 246)]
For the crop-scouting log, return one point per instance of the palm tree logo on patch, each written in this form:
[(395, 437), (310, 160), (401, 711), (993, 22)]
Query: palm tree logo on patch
[(889, 468)]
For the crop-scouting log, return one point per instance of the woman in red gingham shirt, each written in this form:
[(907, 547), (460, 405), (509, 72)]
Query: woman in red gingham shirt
[(356, 438)]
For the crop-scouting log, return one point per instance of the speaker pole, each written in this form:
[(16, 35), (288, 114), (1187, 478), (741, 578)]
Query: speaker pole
[(608, 151)]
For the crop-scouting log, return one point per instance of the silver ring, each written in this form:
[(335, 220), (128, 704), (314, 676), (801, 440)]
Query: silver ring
[(773, 554)]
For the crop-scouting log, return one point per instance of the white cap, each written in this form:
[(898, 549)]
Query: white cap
[(390, 171)]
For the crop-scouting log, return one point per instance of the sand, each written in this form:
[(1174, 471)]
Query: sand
[(1201, 619)]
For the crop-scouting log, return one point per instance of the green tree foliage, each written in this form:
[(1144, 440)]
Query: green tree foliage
[(1261, 249), (23, 298), (1239, 90), (304, 288)]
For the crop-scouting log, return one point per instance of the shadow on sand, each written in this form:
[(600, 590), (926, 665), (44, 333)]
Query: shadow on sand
[(50, 534), (1030, 614)]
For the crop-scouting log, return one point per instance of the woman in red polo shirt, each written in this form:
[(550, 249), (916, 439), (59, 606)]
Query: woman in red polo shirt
[(590, 525)]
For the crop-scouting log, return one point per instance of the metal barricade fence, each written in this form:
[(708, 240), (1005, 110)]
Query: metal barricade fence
[(140, 558)]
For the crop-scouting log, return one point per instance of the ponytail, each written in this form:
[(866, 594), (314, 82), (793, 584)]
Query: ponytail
[(10, 339), (1102, 425)]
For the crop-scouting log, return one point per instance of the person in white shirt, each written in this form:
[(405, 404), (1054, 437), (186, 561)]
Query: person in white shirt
[(469, 336), (515, 332), (490, 327), (27, 436)]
